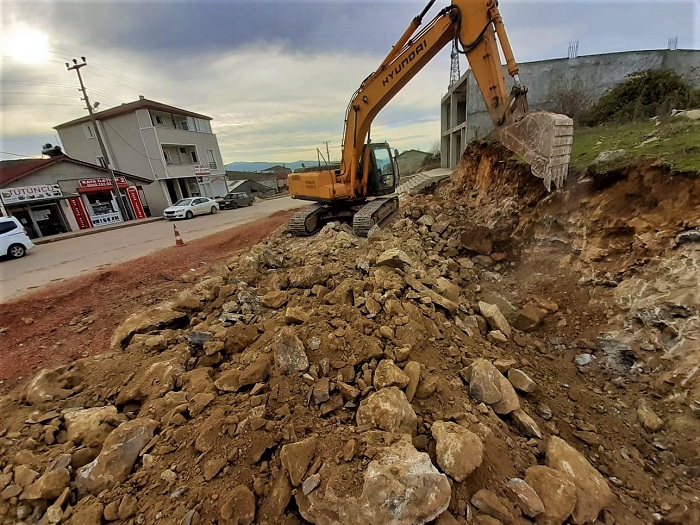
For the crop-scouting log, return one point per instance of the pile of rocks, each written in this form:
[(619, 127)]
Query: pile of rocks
[(331, 379)]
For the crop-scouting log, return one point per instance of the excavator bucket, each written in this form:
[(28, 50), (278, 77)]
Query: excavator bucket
[(544, 141)]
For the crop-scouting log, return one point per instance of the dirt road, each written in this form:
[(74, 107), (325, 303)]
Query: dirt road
[(76, 318), (71, 257)]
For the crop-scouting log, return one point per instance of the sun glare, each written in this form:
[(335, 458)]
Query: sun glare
[(26, 45)]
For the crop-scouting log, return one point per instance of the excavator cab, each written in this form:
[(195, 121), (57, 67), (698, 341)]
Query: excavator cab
[(383, 173)]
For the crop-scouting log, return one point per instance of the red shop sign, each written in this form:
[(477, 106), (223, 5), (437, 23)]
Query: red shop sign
[(80, 213), (101, 184), (135, 201)]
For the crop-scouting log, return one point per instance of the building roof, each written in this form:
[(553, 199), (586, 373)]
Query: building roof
[(12, 170), (130, 107), (414, 151)]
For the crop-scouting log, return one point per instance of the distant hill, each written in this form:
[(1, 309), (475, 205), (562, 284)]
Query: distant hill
[(260, 166)]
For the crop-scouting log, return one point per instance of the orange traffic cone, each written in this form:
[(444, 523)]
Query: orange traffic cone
[(178, 238)]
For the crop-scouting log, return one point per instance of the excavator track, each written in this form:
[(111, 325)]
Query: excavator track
[(374, 212), (306, 222)]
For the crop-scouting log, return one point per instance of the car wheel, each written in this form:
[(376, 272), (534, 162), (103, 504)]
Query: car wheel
[(234, 206), (16, 251), (189, 215), (214, 209)]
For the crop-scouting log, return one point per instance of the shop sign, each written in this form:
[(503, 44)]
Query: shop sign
[(135, 201), (107, 218), (102, 182), (201, 169), (80, 213), (30, 193)]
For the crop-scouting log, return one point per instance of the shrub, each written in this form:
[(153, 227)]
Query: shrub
[(643, 95)]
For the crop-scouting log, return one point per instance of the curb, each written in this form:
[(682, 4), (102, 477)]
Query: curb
[(92, 231)]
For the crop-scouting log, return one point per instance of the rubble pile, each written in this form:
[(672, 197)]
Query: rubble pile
[(406, 378)]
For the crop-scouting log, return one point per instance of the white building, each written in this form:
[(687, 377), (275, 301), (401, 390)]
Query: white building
[(173, 147)]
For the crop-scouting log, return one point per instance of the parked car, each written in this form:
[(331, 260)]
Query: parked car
[(236, 200), (188, 208), (14, 240)]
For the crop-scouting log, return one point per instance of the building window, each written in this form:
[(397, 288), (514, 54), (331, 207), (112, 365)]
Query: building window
[(101, 161), (89, 132), (183, 125), (194, 156), (211, 159), (168, 157), (159, 119)]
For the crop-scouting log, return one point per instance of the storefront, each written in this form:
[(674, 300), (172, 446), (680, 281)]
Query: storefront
[(60, 194), (38, 208), (100, 200)]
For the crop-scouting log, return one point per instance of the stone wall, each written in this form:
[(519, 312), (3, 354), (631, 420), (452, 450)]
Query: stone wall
[(464, 115)]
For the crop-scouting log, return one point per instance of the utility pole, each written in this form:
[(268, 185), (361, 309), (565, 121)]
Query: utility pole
[(328, 153), (76, 66)]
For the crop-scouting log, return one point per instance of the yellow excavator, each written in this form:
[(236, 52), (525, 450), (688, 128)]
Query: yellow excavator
[(363, 187)]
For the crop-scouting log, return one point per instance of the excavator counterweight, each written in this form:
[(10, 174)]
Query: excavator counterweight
[(369, 171)]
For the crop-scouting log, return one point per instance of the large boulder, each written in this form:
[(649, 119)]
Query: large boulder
[(307, 276), (116, 460), (400, 487), (388, 374), (153, 382), (592, 491), (47, 385), (255, 372), (289, 352), (238, 507), (90, 426), (49, 486), (459, 452), (388, 410), (296, 458), (394, 258), (488, 385), (556, 491), (143, 322), (495, 318)]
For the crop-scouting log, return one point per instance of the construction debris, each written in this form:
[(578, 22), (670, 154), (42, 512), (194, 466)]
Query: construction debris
[(402, 378)]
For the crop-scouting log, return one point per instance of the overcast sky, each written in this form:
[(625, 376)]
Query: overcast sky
[(276, 76)]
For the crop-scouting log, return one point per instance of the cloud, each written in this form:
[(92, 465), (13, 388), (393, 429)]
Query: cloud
[(276, 76)]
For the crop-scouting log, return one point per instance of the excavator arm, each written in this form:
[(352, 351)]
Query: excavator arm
[(542, 139)]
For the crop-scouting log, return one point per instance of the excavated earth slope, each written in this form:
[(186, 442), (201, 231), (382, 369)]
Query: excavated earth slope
[(492, 356)]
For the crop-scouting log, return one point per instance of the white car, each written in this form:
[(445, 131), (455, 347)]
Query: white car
[(14, 241), (188, 208)]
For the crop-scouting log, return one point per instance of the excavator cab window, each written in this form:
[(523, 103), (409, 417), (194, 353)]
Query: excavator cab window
[(382, 179)]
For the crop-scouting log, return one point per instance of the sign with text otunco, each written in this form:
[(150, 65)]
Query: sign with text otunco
[(25, 194)]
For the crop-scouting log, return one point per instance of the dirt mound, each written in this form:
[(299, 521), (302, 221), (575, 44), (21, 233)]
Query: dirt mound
[(468, 363)]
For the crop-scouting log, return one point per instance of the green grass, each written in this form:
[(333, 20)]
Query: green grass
[(678, 144)]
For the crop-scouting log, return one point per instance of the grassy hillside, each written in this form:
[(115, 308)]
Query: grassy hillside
[(677, 143)]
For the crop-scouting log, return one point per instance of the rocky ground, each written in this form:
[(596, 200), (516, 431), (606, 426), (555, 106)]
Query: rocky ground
[(493, 355)]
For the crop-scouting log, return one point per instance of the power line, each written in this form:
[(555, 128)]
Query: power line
[(106, 123), (35, 94), (15, 154), (41, 104), (51, 84)]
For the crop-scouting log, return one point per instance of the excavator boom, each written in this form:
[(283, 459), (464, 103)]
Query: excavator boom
[(543, 139)]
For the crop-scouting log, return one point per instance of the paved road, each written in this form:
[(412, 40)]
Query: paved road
[(69, 257)]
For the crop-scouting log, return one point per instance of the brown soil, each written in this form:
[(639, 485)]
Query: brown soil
[(76, 318), (582, 252)]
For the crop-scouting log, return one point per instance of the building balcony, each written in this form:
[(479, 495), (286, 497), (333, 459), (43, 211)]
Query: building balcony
[(170, 135)]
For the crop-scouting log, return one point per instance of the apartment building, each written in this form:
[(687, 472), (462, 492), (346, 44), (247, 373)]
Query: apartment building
[(171, 146)]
